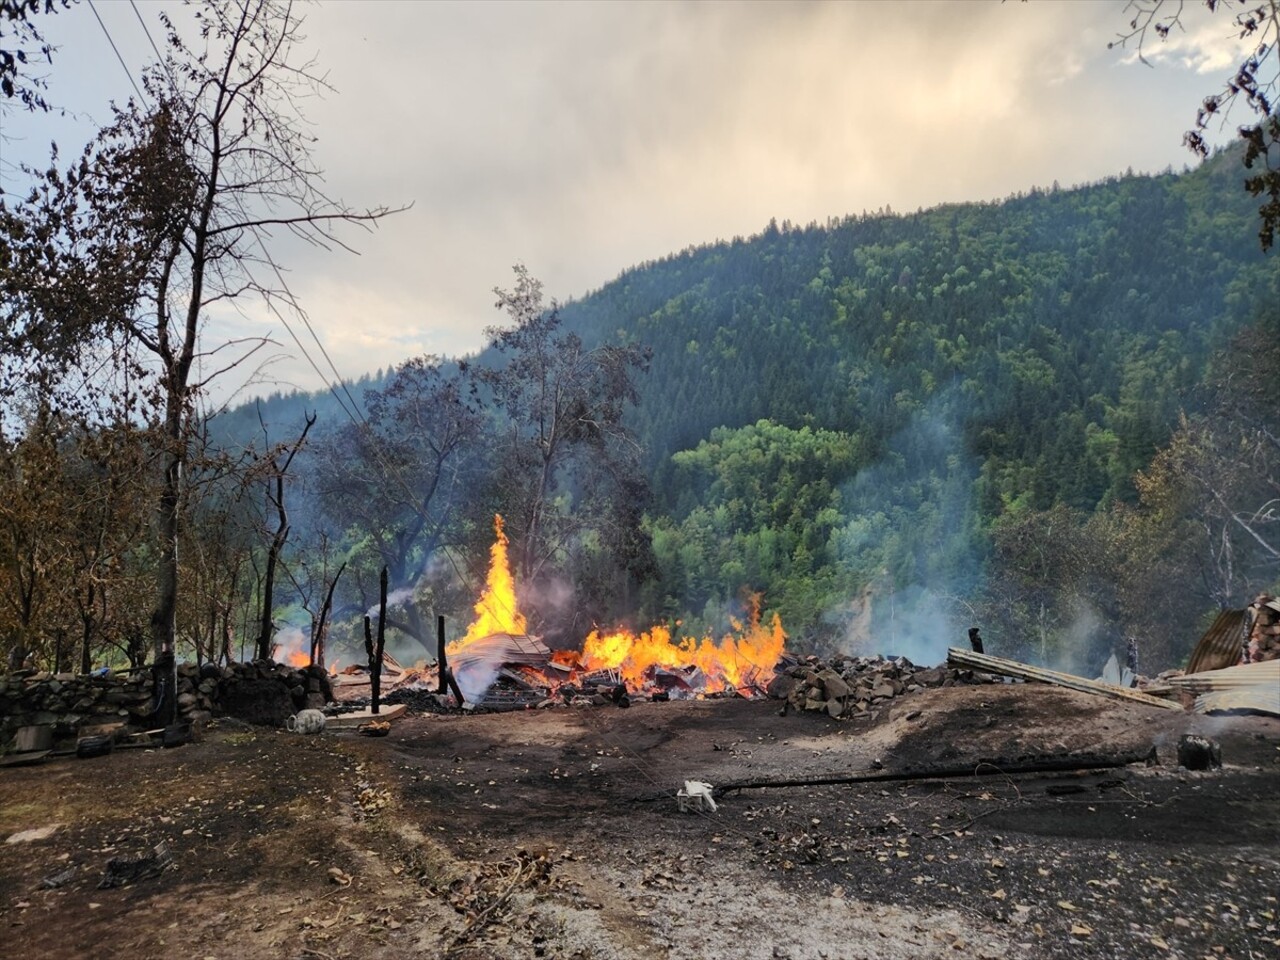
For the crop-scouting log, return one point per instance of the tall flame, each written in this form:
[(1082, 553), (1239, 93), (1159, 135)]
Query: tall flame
[(496, 610)]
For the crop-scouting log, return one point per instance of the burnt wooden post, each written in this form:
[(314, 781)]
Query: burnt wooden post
[(375, 652), (368, 648), (441, 665), (447, 683)]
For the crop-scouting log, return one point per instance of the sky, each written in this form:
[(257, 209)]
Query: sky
[(581, 138)]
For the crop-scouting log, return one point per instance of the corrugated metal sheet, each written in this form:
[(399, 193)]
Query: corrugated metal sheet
[(1250, 686), (477, 665), (1222, 643), (1261, 701)]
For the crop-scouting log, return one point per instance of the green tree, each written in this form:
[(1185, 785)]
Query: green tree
[(1254, 81)]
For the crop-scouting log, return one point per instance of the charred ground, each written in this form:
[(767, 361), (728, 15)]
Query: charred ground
[(550, 833)]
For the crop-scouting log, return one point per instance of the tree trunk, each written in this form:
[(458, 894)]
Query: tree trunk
[(318, 635)]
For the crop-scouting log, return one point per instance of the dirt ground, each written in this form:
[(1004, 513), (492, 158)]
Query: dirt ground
[(553, 834)]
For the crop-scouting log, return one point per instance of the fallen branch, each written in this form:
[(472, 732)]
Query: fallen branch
[(979, 768)]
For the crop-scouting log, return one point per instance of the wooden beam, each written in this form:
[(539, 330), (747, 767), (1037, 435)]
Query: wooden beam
[(1012, 668)]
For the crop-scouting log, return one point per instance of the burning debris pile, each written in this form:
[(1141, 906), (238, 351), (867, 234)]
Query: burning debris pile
[(851, 686), (498, 665)]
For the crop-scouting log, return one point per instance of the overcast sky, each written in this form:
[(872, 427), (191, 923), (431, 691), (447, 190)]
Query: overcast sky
[(582, 138)]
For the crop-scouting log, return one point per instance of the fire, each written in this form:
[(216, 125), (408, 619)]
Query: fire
[(742, 658), (738, 659), (496, 610), (298, 658)]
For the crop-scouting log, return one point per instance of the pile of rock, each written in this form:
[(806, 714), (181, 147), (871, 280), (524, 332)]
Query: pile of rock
[(1264, 630), (261, 692), (851, 686), (68, 703)]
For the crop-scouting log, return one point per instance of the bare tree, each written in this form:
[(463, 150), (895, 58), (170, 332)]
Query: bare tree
[(275, 501), (164, 219)]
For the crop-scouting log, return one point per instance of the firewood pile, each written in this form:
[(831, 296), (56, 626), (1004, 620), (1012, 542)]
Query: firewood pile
[(853, 686), (1264, 630)]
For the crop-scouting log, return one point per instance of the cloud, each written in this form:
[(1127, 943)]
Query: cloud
[(581, 139)]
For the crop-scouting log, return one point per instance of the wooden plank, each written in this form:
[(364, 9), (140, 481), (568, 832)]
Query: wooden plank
[(345, 721), (1012, 668)]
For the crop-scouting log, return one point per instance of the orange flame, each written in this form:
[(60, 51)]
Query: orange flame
[(496, 610), (736, 660), (298, 658)]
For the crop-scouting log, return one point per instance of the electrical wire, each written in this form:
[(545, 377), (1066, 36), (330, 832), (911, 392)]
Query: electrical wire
[(107, 33)]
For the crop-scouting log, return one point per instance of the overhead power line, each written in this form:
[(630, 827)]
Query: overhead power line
[(107, 33)]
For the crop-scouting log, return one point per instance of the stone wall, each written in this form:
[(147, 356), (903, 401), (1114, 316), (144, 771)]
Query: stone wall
[(261, 692)]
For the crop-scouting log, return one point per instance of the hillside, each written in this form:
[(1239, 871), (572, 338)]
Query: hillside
[(850, 410)]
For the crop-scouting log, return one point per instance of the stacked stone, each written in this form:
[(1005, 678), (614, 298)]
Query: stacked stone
[(261, 691), (852, 686), (1264, 631), (70, 703)]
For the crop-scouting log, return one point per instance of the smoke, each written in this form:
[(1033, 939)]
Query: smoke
[(290, 641), (394, 598), (912, 623), (475, 677), (911, 540)]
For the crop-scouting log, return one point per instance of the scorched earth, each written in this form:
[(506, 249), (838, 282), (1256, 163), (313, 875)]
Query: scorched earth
[(554, 833)]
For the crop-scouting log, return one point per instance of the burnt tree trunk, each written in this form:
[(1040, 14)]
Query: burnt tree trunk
[(375, 651), (447, 682), (278, 540), (442, 665), (318, 636)]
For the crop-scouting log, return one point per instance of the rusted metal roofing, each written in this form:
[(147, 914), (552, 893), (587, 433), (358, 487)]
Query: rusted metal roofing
[(1222, 643)]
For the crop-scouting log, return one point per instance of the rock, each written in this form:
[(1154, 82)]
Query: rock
[(834, 684), (835, 707), (782, 686)]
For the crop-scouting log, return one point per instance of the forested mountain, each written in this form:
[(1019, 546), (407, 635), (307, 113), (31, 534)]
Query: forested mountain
[(1025, 320), (849, 417), (1053, 416)]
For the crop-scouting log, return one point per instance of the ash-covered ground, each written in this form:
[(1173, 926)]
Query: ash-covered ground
[(552, 833)]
